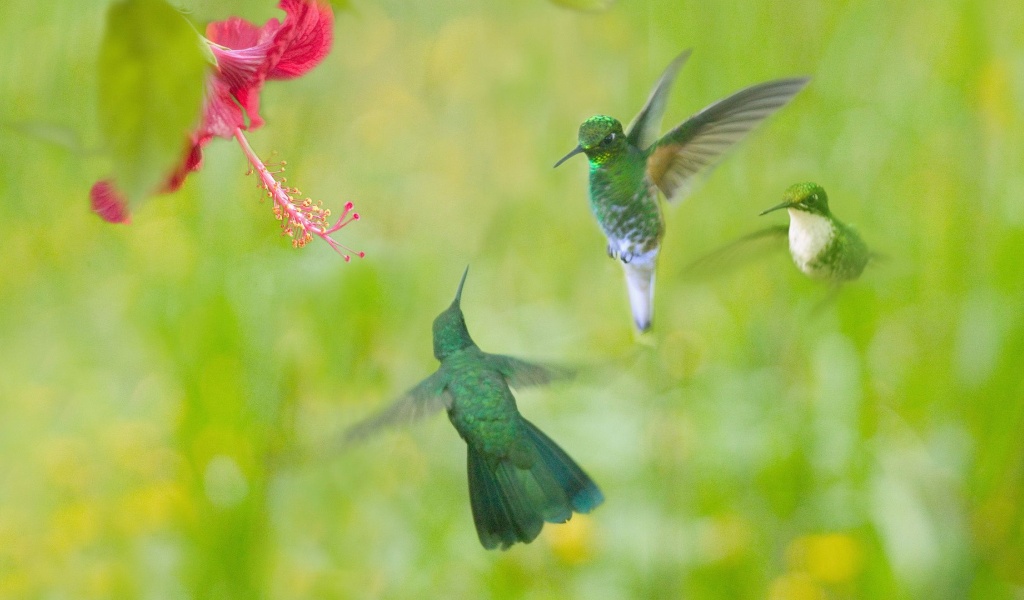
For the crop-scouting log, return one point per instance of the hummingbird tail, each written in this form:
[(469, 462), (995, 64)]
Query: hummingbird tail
[(511, 504), (640, 285)]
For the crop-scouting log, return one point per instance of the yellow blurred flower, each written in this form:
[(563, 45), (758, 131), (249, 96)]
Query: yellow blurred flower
[(147, 509), (73, 526), (995, 97), (572, 541), (795, 586), (829, 558)]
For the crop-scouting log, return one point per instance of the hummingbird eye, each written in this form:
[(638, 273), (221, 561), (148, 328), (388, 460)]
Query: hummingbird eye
[(608, 139)]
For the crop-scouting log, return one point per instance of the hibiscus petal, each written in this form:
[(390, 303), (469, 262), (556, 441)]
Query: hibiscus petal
[(249, 98), (241, 50), (108, 203), (236, 33), (193, 161), (303, 40), (223, 111)]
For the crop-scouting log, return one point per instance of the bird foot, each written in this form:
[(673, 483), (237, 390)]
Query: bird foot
[(625, 257)]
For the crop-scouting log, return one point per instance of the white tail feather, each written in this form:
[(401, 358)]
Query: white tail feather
[(640, 284)]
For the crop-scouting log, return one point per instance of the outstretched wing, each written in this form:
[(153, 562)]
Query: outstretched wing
[(747, 248), (699, 142), (643, 130), (520, 373), (428, 397)]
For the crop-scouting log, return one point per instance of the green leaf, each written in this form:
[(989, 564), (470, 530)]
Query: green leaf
[(151, 70), (585, 5)]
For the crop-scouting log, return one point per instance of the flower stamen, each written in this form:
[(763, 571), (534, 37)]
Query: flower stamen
[(301, 218)]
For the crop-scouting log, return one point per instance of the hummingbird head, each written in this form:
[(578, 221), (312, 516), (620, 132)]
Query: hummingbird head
[(450, 333), (600, 137), (807, 197)]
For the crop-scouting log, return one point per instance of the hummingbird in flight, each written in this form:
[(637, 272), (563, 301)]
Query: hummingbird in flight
[(628, 169), (518, 477), (822, 246)]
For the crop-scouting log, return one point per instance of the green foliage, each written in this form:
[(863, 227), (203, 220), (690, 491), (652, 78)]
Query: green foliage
[(151, 69), (170, 389)]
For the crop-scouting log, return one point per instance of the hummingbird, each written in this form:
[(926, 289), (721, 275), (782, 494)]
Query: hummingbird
[(822, 246), (518, 477), (629, 167)]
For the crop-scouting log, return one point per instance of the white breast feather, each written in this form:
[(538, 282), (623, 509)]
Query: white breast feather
[(809, 234)]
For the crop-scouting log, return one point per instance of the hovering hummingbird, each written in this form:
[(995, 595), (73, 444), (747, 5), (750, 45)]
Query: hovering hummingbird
[(627, 169), (822, 246), (518, 477)]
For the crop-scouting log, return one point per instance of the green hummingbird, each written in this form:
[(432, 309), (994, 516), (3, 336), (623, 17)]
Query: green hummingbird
[(822, 246), (518, 477), (627, 169)]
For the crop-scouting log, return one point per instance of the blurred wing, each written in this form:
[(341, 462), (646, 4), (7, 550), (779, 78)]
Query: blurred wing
[(57, 135), (519, 373), (745, 249), (878, 257), (643, 130), (698, 143), (430, 396)]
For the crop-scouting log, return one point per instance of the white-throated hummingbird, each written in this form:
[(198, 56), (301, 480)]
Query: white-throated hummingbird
[(822, 246)]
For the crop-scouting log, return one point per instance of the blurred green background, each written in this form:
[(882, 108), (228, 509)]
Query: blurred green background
[(157, 377)]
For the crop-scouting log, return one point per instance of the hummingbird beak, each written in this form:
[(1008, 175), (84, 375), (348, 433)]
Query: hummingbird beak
[(458, 294), (574, 152), (774, 208)]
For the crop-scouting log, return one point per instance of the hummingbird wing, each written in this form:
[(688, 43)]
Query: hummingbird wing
[(852, 253), (757, 244), (699, 142), (520, 373), (643, 130), (428, 397)]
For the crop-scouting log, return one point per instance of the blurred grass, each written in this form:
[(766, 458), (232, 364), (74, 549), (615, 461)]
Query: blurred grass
[(152, 374)]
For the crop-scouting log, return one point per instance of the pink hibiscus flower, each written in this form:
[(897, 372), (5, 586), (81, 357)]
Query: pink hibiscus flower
[(247, 56)]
